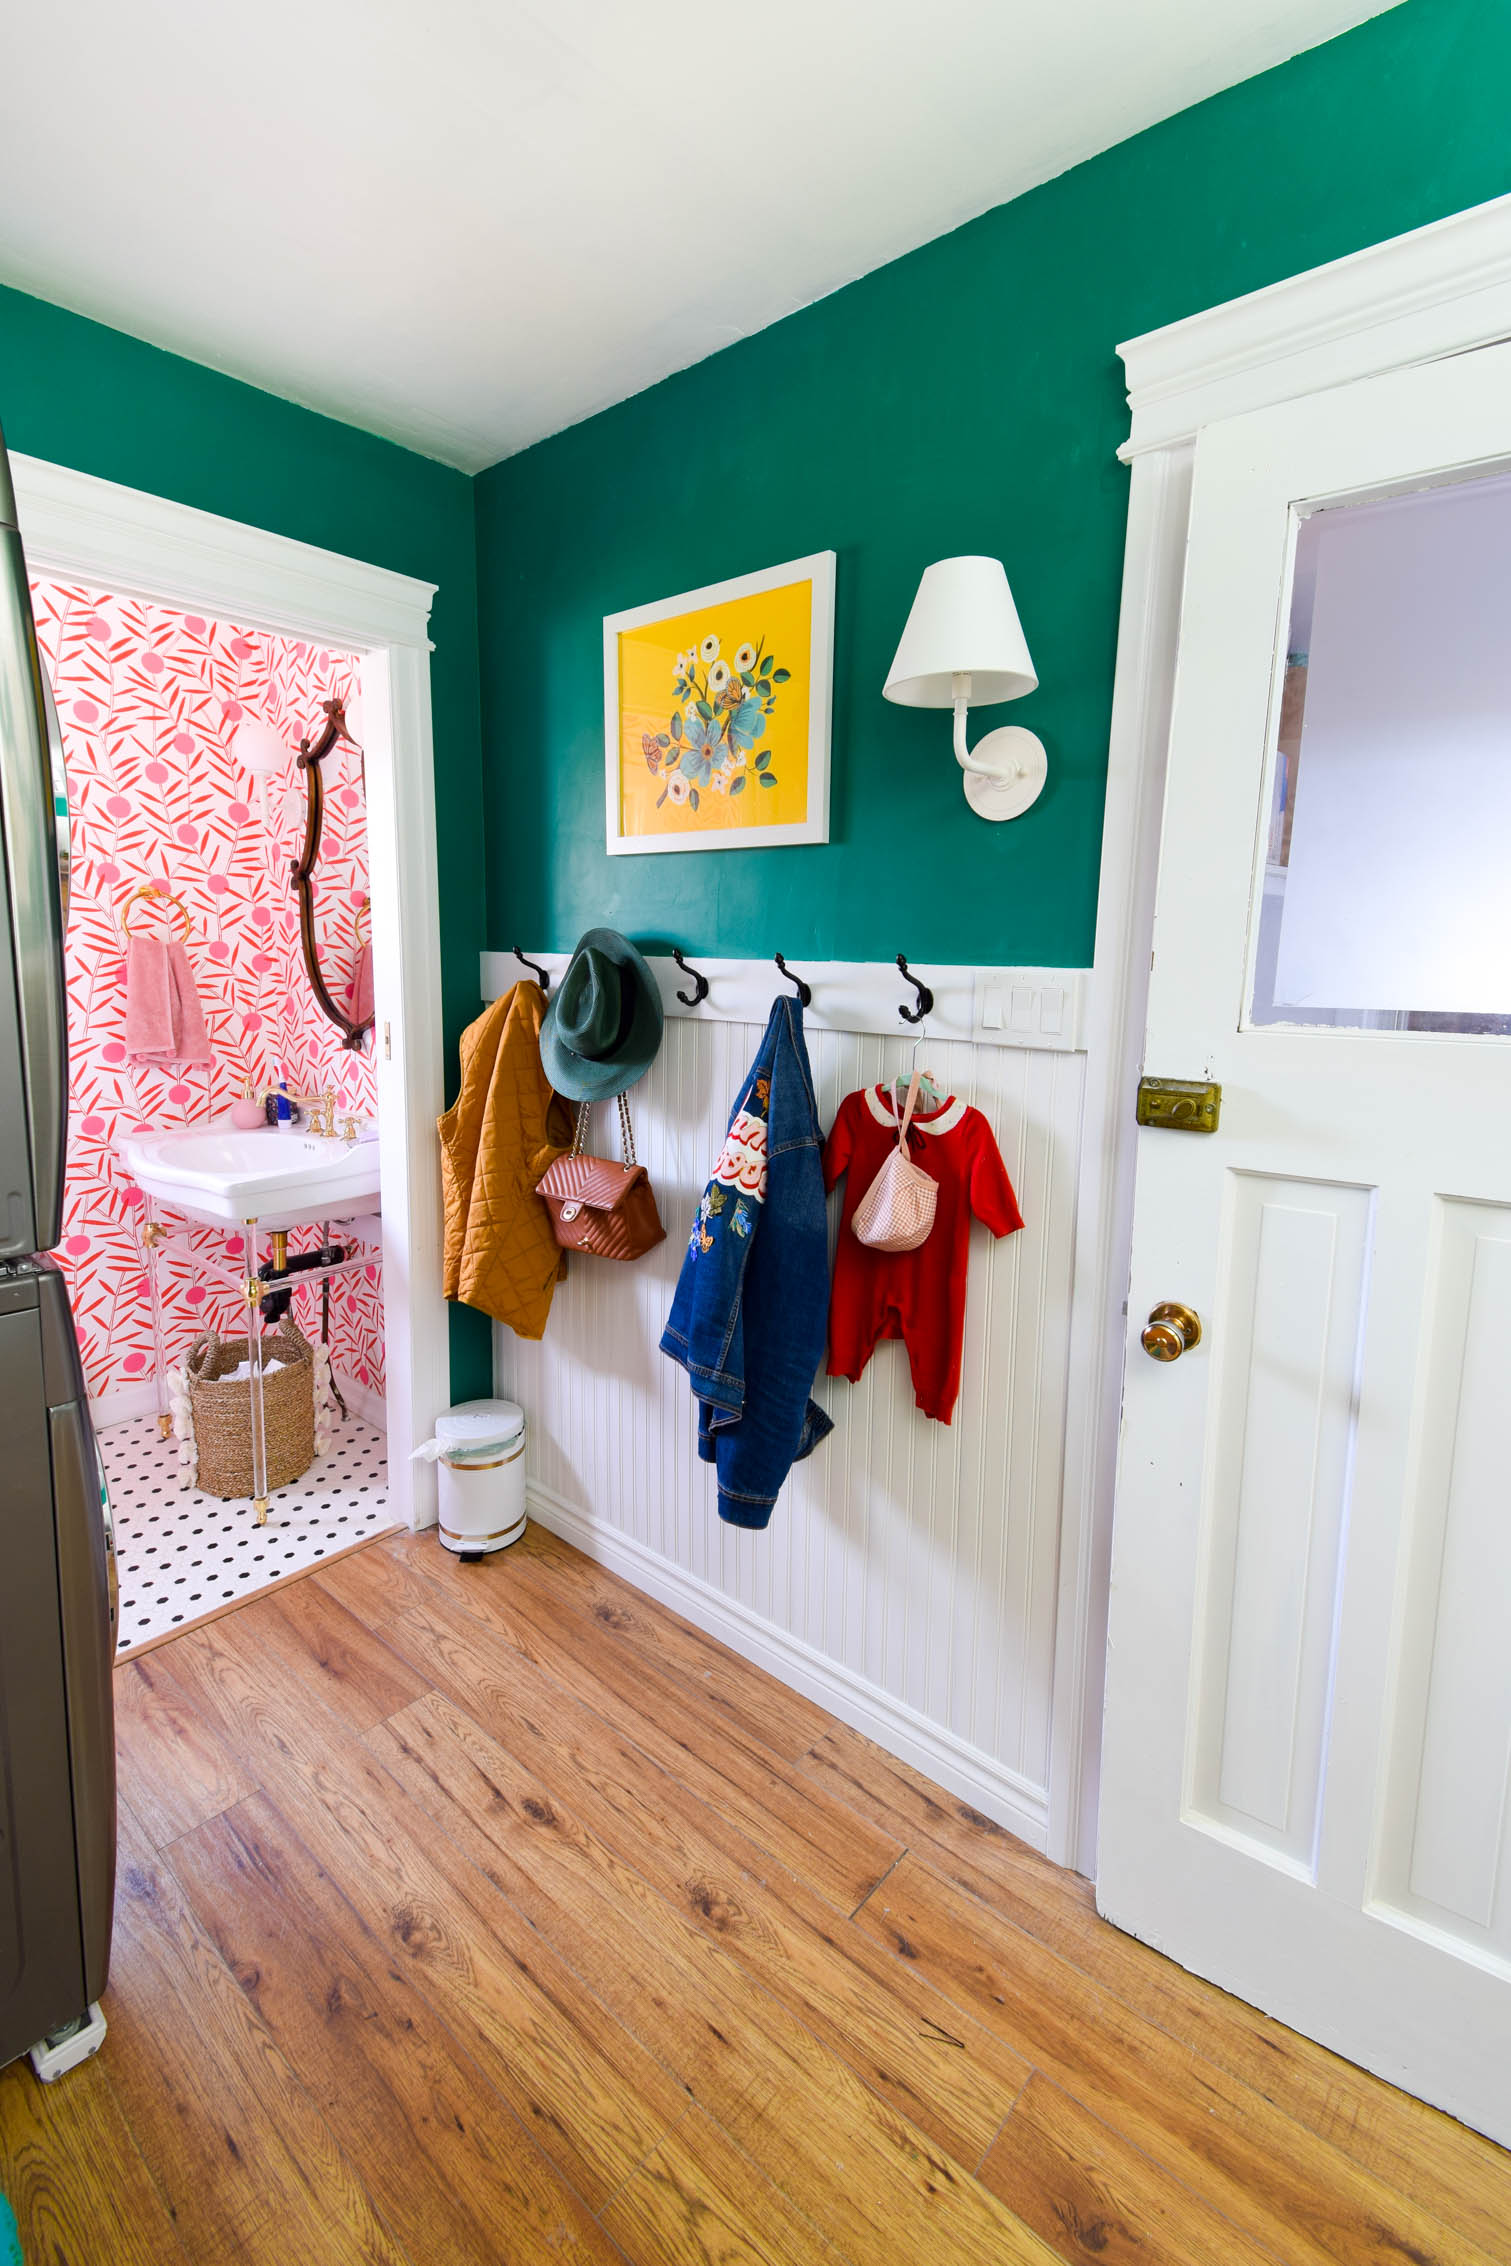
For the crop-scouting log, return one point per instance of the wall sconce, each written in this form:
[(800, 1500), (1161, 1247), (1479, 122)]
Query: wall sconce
[(257, 748), (963, 642)]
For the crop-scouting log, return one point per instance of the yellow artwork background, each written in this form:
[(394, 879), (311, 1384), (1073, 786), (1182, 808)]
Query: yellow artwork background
[(781, 621)]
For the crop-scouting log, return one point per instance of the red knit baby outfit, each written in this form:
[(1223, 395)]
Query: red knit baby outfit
[(918, 1296)]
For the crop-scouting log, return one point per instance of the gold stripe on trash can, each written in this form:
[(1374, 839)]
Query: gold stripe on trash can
[(497, 1465), (471, 1539)]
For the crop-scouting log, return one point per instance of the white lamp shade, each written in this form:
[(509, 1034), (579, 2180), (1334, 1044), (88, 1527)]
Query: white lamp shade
[(963, 623), (257, 748)]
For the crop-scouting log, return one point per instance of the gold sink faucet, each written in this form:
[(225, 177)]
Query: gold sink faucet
[(322, 1113)]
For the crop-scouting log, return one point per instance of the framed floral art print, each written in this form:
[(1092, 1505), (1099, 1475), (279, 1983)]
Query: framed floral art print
[(716, 714)]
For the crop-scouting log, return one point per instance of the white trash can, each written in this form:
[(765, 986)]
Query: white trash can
[(481, 1476)]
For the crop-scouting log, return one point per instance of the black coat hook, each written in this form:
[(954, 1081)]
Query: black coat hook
[(925, 996), (540, 974), (804, 991), (700, 983)]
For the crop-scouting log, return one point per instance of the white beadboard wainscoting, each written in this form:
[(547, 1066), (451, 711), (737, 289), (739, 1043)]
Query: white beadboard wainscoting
[(908, 1579)]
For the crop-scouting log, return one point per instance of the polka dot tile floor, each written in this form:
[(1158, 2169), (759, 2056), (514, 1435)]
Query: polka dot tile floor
[(183, 1556)]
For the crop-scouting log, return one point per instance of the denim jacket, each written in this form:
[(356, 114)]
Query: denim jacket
[(752, 1303)]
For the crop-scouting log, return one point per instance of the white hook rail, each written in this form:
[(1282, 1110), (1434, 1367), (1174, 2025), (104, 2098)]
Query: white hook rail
[(1029, 1007)]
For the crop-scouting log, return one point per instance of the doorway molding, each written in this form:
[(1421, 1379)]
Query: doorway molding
[(79, 528), (1439, 290)]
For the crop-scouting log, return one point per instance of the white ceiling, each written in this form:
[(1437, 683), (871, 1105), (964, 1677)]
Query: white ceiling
[(468, 223)]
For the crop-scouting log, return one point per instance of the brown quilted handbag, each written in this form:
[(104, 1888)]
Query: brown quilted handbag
[(598, 1206)]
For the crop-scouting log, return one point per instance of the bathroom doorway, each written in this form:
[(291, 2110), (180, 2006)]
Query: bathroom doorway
[(190, 657)]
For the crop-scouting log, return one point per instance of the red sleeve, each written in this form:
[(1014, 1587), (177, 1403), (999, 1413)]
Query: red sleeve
[(992, 1198), (841, 1142)]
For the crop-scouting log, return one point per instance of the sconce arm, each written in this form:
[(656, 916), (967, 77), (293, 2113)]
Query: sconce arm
[(963, 756), (960, 685)]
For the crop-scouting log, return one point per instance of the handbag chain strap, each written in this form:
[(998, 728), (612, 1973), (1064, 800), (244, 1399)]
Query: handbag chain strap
[(626, 1130)]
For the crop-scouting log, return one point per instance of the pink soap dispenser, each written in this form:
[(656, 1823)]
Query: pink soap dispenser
[(247, 1113)]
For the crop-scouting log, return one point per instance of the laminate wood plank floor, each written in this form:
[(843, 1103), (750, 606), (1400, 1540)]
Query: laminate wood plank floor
[(492, 1913)]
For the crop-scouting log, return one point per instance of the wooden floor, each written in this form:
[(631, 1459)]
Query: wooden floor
[(494, 1914)]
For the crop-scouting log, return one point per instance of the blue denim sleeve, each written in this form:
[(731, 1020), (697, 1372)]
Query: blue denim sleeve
[(785, 1302), (750, 1313), (705, 1329), (786, 1309)]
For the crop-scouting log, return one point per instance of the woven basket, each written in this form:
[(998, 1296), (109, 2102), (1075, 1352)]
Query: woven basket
[(222, 1411)]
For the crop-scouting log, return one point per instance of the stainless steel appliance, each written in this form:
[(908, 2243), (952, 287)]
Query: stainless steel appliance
[(57, 1597)]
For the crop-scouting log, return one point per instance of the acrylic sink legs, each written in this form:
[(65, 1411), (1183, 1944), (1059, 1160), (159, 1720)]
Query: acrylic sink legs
[(152, 1235), (254, 1364)]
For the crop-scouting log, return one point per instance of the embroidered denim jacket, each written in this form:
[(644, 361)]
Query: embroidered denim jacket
[(752, 1302)]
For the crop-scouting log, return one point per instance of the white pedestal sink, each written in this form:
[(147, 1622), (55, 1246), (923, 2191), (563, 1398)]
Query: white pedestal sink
[(217, 1173)]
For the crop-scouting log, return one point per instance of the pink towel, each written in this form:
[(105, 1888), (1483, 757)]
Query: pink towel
[(164, 1020), (362, 985)]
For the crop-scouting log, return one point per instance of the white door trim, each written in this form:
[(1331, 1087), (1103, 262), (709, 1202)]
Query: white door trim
[(1444, 289), (123, 540)]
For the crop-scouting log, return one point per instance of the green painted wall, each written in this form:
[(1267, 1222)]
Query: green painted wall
[(966, 398), (82, 395)]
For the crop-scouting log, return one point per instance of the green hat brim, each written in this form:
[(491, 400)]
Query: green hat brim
[(581, 1077)]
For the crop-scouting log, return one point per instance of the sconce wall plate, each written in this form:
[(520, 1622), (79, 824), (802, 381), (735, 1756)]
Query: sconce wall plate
[(1020, 766)]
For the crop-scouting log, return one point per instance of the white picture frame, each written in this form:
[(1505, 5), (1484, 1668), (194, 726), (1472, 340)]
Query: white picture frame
[(686, 827)]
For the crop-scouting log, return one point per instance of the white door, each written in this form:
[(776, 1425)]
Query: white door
[(1308, 1729)]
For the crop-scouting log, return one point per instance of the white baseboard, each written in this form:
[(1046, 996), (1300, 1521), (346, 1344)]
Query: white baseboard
[(124, 1403), (364, 1402), (977, 1778)]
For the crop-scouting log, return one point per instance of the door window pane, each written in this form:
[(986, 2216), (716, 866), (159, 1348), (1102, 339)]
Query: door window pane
[(1387, 875)]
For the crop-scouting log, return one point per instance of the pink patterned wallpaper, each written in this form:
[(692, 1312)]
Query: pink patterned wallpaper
[(149, 701)]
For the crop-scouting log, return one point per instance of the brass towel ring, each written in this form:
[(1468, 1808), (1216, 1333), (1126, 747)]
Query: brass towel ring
[(165, 896)]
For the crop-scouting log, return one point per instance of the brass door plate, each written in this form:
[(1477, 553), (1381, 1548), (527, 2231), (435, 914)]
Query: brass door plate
[(1180, 1105)]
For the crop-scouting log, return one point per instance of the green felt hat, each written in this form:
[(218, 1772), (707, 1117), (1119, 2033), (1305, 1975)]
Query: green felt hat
[(603, 1025)]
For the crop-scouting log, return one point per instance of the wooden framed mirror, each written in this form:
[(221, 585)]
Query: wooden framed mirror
[(311, 755)]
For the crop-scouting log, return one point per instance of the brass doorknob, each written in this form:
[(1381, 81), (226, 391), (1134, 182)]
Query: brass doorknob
[(1170, 1331)]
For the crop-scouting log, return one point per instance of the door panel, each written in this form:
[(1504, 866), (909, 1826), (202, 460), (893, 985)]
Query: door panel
[(1448, 1861), (1289, 1323), (1306, 1785)]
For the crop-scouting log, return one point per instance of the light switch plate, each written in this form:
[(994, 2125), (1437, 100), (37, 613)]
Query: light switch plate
[(1037, 1007)]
